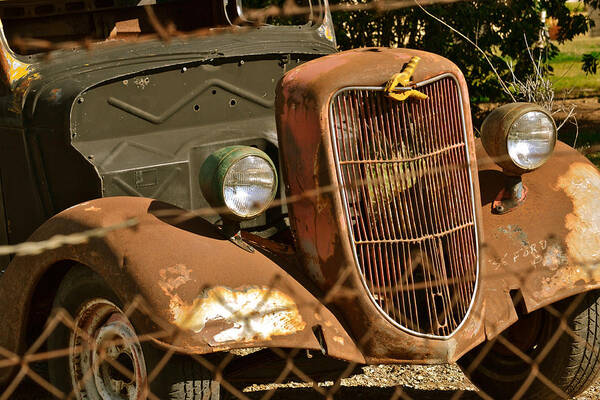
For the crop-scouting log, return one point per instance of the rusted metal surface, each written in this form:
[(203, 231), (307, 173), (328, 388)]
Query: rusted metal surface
[(105, 356), (409, 202), (191, 265), (518, 252), (512, 195), (12, 69), (548, 248), (321, 228), (205, 294)]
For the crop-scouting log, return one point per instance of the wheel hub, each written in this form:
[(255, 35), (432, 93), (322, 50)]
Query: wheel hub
[(105, 357)]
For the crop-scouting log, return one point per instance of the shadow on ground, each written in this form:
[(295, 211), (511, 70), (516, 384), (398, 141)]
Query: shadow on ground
[(367, 393), (29, 390)]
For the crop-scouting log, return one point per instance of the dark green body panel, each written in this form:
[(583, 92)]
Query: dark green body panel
[(137, 118)]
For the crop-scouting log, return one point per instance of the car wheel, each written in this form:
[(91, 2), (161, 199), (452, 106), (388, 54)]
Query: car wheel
[(105, 359), (570, 362)]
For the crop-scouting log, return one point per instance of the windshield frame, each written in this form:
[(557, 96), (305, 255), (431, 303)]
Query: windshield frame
[(237, 16)]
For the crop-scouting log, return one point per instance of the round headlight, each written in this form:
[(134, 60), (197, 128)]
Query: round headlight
[(241, 178), (531, 139), (520, 137)]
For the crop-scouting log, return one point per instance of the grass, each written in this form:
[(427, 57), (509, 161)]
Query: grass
[(568, 77), (570, 81), (575, 6)]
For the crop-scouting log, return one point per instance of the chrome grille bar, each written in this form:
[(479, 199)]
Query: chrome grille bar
[(408, 194)]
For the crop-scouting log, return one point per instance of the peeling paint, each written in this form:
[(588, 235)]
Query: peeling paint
[(582, 184), (173, 277), (339, 340), (554, 257), (16, 68), (141, 82), (577, 261), (516, 233), (55, 95), (239, 315)]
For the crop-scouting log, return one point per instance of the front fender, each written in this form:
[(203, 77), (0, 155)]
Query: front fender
[(185, 278), (548, 247)]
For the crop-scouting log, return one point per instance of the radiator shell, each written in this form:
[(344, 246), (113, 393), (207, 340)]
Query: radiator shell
[(317, 212)]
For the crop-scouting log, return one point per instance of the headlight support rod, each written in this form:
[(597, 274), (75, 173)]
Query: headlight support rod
[(511, 196)]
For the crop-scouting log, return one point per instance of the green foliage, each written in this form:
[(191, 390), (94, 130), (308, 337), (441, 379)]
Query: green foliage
[(590, 63), (501, 28), (577, 6)]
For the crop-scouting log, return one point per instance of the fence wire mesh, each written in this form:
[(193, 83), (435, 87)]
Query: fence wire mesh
[(77, 348)]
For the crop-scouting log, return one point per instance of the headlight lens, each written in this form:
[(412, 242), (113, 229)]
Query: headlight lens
[(241, 179), (531, 140), (249, 186)]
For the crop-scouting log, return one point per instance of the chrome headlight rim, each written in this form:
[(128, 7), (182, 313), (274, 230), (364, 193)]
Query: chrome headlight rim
[(214, 172), (495, 133)]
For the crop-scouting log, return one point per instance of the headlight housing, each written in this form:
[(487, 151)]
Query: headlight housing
[(519, 137), (240, 179)]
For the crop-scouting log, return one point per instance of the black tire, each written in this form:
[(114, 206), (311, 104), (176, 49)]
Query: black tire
[(186, 379), (571, 365), (181, 379)]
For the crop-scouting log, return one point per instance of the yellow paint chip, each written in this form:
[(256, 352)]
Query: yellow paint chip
[(16, 68)]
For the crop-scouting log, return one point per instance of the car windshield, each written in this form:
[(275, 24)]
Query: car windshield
[(282, 12), (33, 26)]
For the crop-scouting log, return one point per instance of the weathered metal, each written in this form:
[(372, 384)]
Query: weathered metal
[(141, 118), (320, 225), (105, 357), (548, 248), (512, 195), (113, 141), (536, 251), (188, 287), (408, 199)]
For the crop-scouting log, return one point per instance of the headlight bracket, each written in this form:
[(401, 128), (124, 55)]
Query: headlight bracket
[(511, 196), (232, 230), (495, 137)]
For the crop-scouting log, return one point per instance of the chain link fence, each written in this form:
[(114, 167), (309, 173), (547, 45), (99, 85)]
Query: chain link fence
[(136, 367)]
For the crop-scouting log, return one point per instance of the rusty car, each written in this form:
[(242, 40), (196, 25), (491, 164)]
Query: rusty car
[(286, 204)]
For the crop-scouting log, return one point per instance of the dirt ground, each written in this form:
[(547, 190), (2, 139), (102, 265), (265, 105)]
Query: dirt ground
[(418, 382), (587, 113), (587, 131)]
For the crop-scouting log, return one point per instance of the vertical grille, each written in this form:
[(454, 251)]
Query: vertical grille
[(408, 194)]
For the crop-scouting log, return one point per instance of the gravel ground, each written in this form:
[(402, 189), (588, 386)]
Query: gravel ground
[(439, 382), (432, 382)]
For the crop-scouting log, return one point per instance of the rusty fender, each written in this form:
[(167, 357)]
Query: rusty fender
[(206, 293), (549, 247)]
